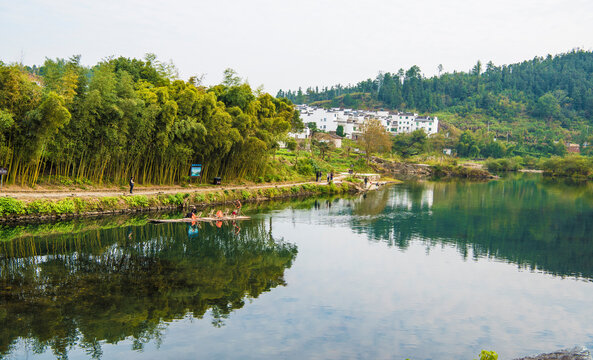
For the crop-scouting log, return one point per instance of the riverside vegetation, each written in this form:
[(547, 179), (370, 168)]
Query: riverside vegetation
[(15, 209), (128, 117), (521, 112)]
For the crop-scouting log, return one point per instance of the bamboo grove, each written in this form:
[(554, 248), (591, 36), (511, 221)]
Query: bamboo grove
[(129, 117)]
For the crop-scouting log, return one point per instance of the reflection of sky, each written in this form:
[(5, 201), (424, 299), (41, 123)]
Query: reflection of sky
[(347, 297)]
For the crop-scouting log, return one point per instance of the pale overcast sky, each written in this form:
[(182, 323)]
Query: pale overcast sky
[(287, 44)]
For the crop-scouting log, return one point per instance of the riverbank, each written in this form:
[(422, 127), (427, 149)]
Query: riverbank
[(40, 206), (442, 170)]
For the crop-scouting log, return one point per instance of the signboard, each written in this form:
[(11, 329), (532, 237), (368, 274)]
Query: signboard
[(3, 171), (196, 170)]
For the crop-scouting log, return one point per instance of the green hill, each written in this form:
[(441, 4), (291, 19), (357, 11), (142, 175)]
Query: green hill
[(531, 103)]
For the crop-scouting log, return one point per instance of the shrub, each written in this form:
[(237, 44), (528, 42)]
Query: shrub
[(506, 164), (245, 194), (488, 355), (64, 206), (175, 199), (109, 202), (39, 207), (10, 206), (137, 201)]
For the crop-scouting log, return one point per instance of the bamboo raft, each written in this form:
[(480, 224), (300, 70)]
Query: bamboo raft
[(202, 219)]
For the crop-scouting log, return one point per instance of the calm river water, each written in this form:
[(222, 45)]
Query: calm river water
[(419, 270)]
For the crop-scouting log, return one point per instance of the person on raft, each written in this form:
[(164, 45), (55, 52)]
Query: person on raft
[(192, 214), (237, 208)]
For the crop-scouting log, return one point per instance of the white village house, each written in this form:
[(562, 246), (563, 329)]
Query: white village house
[(351, 121)]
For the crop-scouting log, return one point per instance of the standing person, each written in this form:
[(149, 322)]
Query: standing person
[(237, 210), (328, 178), (131, 184), (316, 176), (366, 180), (331, 176)]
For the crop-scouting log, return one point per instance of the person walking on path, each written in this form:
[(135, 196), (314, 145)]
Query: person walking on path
[(366, 180), (328, 178), (331, 176), (131, 184)]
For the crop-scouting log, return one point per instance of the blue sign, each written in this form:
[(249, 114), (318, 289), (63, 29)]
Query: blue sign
[(196, 170)]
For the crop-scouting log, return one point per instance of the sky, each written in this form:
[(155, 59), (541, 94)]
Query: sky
[(289, 44)]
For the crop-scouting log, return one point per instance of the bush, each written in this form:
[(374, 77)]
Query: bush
[(39, 207), (198, 198), (10, 206), (176, 199), (137, 201), (291, 144), (109, 202), (505, 164), (64, 206), (245, 194), (305, 167), (488, 355), (571, 166)]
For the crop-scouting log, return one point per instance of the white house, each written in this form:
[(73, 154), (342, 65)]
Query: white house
[(351, 120)]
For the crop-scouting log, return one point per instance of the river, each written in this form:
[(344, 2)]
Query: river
[(421, 270)]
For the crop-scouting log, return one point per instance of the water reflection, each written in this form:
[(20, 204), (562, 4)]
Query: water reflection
[(538, 225), (128, 282)]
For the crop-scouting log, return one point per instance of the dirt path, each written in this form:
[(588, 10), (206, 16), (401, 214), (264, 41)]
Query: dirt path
[(152, 190)]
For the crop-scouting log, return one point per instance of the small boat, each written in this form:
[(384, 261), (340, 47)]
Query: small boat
[(203, 219)]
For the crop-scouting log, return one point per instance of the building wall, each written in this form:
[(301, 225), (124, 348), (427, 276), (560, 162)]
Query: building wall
[(351, 120)]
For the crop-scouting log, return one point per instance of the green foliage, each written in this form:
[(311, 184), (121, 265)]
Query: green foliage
[(532, 103), (137, 201), (488, 355), (128, 117), (306, 167), (513, 164), (291, 144), (575, 166), (198, 198), (245, 194), (65, 206), (109, 202), (407, 145), (10, 206)]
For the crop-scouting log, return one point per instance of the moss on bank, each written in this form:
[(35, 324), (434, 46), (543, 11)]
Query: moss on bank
[(18, 210)]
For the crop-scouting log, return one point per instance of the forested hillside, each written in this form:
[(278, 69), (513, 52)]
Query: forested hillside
[(530, 103), (128, 117)]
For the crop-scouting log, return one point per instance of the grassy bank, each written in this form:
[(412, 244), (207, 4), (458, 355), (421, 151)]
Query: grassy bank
[(18, 210)]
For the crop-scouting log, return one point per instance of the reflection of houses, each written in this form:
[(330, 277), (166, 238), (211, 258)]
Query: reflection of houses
[(573, 148), (406, 199), (351, 120)]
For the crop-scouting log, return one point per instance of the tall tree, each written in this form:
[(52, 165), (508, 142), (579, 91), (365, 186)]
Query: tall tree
[(373, 138)]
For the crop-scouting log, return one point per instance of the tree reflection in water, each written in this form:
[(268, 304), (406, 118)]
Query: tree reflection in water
[(536, 224), (128, 282)]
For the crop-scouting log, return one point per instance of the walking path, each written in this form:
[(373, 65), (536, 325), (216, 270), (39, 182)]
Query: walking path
[(152, 190)]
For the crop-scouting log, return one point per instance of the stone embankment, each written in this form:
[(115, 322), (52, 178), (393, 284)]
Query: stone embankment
[(578, 353)]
